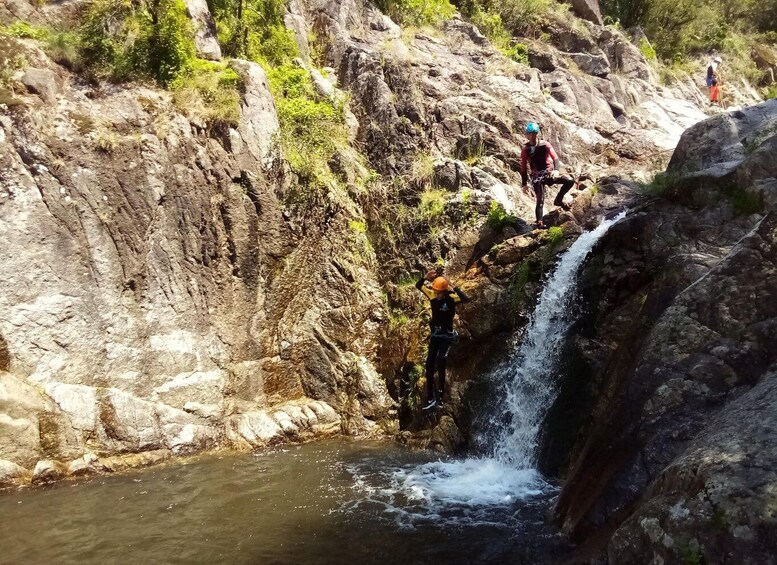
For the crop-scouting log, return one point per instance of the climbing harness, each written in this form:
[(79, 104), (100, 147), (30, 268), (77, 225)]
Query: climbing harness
[(538, 179), (449, 335)]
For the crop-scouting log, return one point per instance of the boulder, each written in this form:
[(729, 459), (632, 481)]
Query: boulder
[(21, 407), (78, 402), (12, 474), (322, 85), (544, 57), (725, 138), (451, 174), (765, 58), (204, 388), (85, 465), (374, 401), (256, 429), (679, 374), (596, 65), (205, 35), (259, 121), (588, 10), (294, 19), (709, 504), (48, 471), (42, 82), (624, 57)]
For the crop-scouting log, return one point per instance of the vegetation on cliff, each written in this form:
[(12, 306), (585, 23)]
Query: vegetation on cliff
[(680, 30), (675, 32)]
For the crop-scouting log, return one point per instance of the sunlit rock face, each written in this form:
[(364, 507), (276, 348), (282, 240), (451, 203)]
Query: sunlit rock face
[(669, 396), (158, 294)]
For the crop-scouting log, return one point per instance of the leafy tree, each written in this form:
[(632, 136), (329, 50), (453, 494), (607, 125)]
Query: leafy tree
[(143, 38), (254, 29)]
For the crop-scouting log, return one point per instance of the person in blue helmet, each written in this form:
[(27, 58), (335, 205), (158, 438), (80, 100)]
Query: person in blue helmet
[(540, 159)]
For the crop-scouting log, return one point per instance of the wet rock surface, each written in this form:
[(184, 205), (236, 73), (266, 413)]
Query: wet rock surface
[(677, 348)]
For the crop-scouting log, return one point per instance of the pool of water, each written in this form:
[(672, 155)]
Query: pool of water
[(336, 501)]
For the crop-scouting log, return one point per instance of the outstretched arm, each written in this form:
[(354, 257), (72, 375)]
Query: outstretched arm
[(553, 158), (524, 165), (460, 296), (420, 283)]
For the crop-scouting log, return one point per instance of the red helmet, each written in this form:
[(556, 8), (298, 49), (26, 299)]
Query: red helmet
[(440, 284)]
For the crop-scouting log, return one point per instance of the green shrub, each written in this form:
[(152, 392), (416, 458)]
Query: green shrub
[(10, 60), (490, 24), (358, 226), (312, 130), (167, 48), (302, 114), (24, 30), (254, 29), (418, 12), (675, 70), (498, 218), (679, 29), (288, 81), (647, 49), (101, 33), (432, 204), (123, 40), (661, 184), (555, 235), (518, 281), (518, 52), (769, 92), (520, 14), (208, 90), (422, 169), (63, 49), (743, 201), (276, 46)]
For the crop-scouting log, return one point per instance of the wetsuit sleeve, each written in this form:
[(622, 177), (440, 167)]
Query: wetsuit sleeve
[(553, 162), (524, 163), (420, 286), (460, 296)]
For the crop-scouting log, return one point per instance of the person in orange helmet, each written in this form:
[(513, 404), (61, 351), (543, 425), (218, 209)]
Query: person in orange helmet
[(443, 297)]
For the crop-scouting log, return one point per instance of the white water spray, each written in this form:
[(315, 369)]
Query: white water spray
[(528, 376), (439, 491)]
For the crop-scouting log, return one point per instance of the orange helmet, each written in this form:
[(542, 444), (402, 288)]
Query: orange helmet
[(440, 284)]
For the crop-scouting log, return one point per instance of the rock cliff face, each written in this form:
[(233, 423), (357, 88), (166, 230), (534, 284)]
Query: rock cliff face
[(160, 292), (667, 407), (165, 290)]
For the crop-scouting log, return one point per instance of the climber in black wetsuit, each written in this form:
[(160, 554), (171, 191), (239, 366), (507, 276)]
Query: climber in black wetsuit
[(443, 297)]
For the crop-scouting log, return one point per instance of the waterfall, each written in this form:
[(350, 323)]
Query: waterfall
[(484, 490), (527, 378)]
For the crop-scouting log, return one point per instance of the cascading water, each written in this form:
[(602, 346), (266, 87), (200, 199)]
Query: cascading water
[(470, 491), (528, 385)]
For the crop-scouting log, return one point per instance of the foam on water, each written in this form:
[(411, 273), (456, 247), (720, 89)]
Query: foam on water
[(469, 492)]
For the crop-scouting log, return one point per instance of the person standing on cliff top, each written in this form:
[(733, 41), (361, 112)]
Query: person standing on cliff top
[(443, 297), (713, 79), (540, 159)]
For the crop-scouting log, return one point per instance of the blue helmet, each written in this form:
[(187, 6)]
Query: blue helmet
[(532, 127)]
